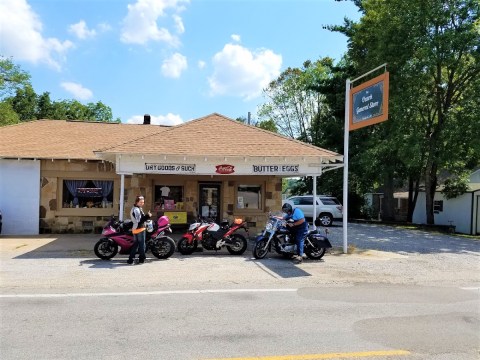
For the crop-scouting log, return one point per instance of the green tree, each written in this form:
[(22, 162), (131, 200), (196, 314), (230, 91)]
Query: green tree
[(292, 104), (24, 103), (431, 47), (7, 115), (45, 109), (267, 125), (11, 77)]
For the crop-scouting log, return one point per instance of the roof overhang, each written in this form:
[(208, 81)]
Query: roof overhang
[(284, 166)]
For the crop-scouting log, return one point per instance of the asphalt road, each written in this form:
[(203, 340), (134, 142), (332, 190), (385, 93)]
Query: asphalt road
[(400, 294)]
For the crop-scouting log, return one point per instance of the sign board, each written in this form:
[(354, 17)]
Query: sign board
[(369, 102)]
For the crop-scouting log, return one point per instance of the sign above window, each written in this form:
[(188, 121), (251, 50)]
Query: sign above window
[(170, 168), (89, 192)]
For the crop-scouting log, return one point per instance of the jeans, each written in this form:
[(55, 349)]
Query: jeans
[(300, 235), (138, 245)]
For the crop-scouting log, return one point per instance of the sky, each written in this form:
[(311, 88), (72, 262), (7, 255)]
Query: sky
[(176, 60)]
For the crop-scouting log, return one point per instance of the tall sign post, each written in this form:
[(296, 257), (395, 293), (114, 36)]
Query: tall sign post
[(365, 105)]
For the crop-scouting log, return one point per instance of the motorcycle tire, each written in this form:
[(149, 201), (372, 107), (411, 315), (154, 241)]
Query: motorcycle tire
[(163, 248), (259, 249), (315, 253), (239, 244), (105, 249), (185, 248)]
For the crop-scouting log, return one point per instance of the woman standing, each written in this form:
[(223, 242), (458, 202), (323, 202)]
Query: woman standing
[(138, 229)]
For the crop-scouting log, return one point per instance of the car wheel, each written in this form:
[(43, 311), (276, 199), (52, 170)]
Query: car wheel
[(325, 219)]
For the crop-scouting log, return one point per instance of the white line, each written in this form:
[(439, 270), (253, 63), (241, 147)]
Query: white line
[(470, 288), (143, 293)]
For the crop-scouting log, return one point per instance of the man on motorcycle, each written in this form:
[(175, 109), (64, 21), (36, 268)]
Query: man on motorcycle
[(299, 228)]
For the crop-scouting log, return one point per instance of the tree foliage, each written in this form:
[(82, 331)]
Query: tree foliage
[(431, 47)]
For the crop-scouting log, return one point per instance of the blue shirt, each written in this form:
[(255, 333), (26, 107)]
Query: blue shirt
[(297, 214)]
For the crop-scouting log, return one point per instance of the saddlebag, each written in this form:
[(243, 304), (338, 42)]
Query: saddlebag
[(320, 241)]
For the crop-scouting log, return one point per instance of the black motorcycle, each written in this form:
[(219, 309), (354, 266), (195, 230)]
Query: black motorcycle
[(278, 236)]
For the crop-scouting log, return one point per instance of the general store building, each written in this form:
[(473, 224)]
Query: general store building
[(71, 176)]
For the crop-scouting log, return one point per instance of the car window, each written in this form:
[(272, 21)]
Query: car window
[(295, 200), (329, 201), (306, 200)]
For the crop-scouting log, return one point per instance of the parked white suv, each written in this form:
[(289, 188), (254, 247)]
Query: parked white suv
[(328, 207)]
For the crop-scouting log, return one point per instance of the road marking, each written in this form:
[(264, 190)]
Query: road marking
[(142, 293), (324, 356)]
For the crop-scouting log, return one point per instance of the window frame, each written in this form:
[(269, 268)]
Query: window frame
[(61, 211), (261, 208)]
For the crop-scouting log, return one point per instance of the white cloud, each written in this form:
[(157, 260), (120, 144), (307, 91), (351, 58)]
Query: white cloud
[(140, 24), (179, 24), (77, 90), (103, 27), (235, 37), (201, 64), (174, 66), (81, 30), (22, 38), (169, 119), (243, 73)]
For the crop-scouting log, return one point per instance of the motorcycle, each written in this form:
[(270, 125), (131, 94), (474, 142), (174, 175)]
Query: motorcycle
[(278, 235), (118, 238), (214, 236)]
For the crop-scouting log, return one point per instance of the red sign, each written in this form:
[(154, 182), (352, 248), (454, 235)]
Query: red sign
[(225, 169)]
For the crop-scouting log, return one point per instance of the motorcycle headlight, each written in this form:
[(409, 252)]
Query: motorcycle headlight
[(269, 226)]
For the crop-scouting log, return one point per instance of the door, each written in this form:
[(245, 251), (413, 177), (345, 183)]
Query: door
[(209, 201)]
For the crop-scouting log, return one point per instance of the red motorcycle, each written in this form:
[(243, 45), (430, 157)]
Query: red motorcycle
[(214, 237), (118, 238)]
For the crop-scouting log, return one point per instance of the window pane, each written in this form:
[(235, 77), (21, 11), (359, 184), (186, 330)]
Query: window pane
[(330, 201), (87, 194), (249, 197), (168, 197)]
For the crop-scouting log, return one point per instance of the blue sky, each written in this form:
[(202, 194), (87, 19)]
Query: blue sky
[(176, 60)]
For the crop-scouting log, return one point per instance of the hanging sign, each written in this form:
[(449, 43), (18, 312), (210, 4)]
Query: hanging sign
[(369, 102)]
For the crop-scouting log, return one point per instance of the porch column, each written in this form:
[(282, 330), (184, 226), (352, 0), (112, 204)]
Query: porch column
[(122, 191)]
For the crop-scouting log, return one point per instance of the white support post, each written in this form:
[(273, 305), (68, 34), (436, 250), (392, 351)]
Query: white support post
[(345, 167), (122, 191), (314, 198)]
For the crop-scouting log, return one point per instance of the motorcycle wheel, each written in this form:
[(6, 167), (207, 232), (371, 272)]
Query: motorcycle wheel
[(260, 250), (185, 248), (315, 253), (163, 248), (105, 249), (239, 245)]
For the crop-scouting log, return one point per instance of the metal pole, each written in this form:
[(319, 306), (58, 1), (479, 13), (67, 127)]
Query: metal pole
[(345, 167), (314, 198), (122, 190)]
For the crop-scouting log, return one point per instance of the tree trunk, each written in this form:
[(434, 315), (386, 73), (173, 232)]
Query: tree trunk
[(413, 188), (388, 207), (430, 187)]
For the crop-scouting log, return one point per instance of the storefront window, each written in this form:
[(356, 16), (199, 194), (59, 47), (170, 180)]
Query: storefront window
[(249, 197), (87, 194), (169, 197)]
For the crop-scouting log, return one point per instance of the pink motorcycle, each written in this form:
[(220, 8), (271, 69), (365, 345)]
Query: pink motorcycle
[(118, 238)]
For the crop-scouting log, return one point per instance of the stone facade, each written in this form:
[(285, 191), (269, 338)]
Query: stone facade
[(55, 218)]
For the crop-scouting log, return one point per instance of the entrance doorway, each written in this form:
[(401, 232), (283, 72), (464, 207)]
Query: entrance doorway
[(209, 200)]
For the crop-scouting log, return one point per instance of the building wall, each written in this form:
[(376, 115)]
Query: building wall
[(19, 196), (54, 218), (456, 212)]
